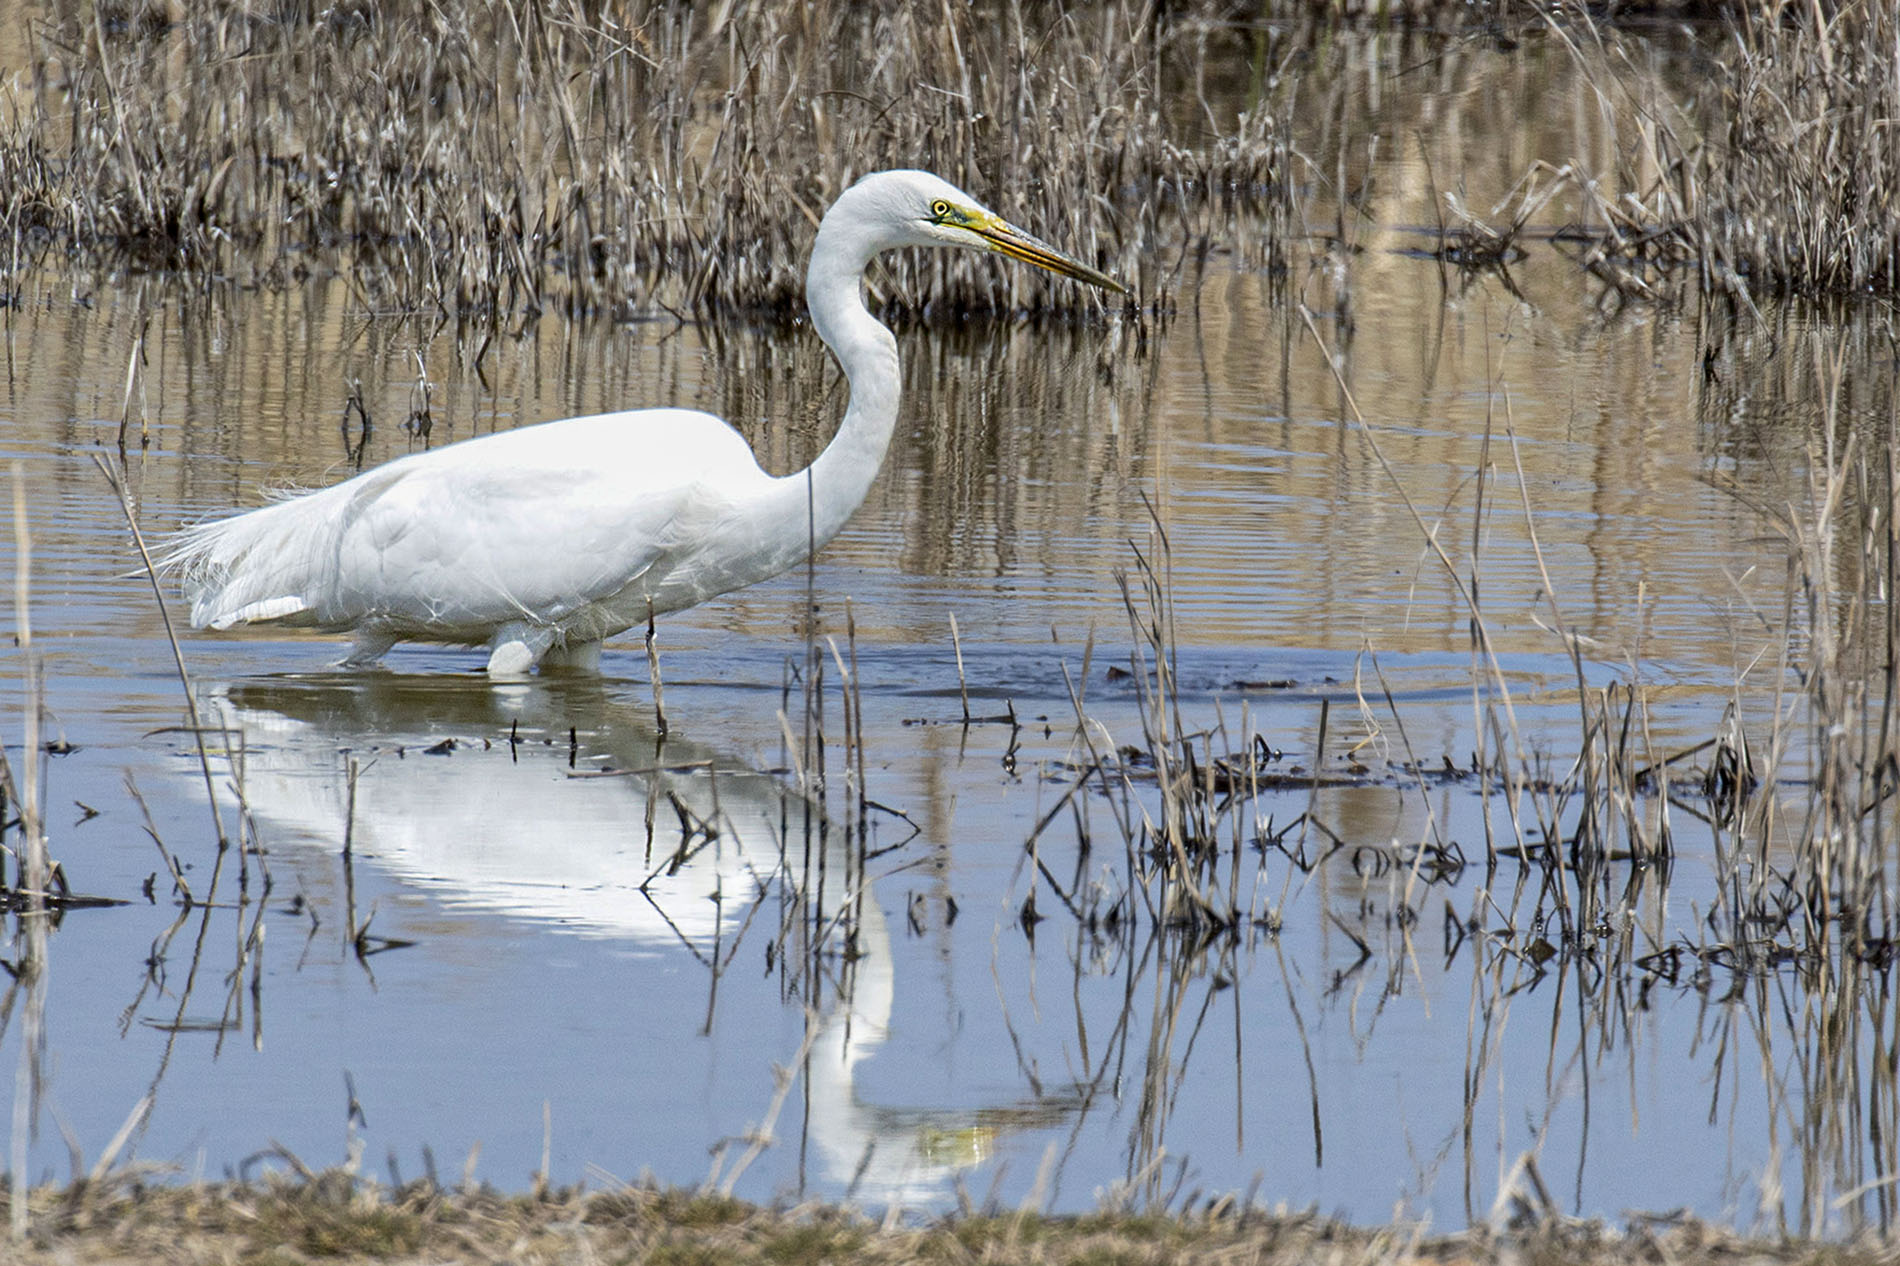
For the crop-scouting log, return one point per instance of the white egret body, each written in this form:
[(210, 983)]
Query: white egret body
[(543, 540)]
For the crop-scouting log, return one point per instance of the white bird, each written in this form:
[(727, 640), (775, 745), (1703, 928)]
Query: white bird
[(543, 540)]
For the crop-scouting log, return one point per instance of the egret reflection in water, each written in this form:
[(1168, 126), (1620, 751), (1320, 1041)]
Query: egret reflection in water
[(556, 802), (545, 800)]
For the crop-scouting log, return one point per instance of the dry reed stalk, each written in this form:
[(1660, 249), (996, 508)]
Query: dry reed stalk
[(32, 874), (653, 679), (32, 864)]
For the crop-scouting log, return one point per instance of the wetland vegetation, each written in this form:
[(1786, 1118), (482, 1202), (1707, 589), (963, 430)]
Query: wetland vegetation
[(1302, 754), (331, 1219)]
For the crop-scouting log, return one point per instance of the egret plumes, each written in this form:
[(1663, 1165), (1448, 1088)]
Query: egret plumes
[(541, 541)]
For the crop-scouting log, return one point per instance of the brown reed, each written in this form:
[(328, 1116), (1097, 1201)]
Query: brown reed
[(465, 158)]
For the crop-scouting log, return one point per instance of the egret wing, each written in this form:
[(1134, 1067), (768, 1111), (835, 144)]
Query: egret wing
[(533, 524)]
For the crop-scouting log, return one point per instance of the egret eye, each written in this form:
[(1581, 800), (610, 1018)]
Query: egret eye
[(940, 209)]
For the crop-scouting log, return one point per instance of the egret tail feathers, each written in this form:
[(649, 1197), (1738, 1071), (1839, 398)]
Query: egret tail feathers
[(250, 569)]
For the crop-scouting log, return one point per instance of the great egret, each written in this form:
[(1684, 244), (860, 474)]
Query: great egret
[(543, 540)]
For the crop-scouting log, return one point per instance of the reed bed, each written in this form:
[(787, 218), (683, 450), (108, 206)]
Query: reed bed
[(1777, 178), (1800, 190), (500, 160)]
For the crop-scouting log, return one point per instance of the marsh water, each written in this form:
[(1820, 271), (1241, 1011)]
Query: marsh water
[(498, 930)]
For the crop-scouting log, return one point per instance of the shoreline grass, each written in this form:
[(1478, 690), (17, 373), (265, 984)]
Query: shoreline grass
[(336, 1217)]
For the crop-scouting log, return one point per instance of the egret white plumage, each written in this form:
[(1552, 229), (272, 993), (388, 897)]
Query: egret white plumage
[(543, 540)]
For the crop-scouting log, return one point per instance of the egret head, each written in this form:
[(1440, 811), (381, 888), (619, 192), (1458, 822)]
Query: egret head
[(915, 208)]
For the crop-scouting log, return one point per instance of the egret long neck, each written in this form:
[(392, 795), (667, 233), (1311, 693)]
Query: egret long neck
[(841, 476)]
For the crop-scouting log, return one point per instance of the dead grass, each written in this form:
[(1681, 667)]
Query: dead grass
[(1768, 169), (1803, 191), (477, 159), (333, 1219), (473, 160)]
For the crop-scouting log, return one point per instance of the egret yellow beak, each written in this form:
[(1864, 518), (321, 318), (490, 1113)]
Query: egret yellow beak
[(1012, 241)]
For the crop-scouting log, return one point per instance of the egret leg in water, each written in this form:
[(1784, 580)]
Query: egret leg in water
[(540, 541)]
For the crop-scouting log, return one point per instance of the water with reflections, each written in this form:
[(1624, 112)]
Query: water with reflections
[(487, 923)]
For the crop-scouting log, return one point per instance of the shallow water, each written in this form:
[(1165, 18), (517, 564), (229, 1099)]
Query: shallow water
[(540, 977)]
